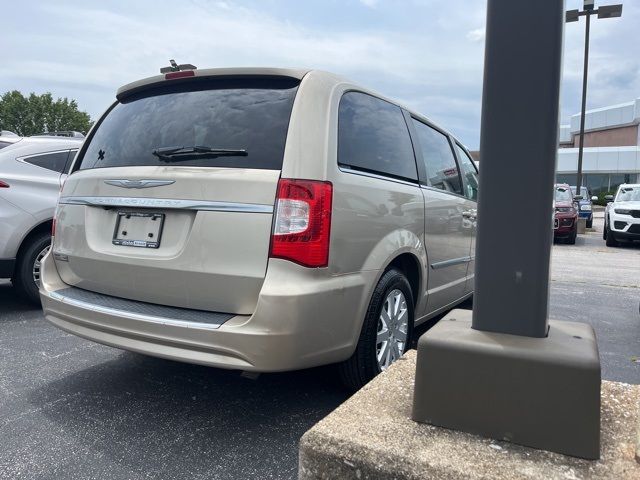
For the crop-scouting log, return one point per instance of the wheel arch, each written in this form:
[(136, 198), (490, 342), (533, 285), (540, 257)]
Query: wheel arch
[(42, 227)]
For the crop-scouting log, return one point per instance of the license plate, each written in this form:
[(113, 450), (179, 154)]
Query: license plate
[(138, 229)]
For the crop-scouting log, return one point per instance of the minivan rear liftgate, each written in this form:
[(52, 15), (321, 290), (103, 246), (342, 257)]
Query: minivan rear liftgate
[(172, 197)]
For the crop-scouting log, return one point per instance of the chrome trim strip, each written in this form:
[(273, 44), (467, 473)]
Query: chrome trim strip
[(135, 316), (167, 203), (345, 169), (450, 263)]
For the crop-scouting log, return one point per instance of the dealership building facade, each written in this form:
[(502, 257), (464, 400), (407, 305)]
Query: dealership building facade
[(611, 148)]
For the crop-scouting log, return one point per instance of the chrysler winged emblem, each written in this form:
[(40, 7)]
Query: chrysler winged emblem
[(124, 183)]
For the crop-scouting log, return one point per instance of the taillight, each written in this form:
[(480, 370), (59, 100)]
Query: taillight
[(181, 74), (4, 184), (303, 222)]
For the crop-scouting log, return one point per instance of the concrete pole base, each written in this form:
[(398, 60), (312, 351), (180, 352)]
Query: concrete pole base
[(582, 225), (538, 392)]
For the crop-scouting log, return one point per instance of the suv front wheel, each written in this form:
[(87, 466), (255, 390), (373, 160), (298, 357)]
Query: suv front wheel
[(386, 331)]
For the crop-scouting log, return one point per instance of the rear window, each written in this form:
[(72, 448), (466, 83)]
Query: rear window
[(249, 114)]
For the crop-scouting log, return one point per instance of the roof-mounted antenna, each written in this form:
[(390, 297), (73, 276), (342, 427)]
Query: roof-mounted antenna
[(177, 68)]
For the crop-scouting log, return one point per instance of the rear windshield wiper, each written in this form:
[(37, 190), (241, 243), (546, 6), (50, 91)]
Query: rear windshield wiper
[(174, 154)]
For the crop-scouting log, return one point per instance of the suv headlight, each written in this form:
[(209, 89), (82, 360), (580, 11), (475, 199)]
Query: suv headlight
[(585, 207), (622, 211)]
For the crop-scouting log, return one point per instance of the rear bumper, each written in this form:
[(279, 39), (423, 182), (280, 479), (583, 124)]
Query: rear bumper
[(7, 266), (303, 319)]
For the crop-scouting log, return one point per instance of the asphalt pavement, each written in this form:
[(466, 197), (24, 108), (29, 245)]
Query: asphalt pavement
[(72, 409)]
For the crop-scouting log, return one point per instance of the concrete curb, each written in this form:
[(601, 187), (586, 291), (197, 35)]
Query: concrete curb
[(372, 436)]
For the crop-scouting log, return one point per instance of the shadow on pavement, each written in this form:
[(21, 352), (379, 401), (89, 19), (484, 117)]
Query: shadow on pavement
[(167, 419), (12, 301)]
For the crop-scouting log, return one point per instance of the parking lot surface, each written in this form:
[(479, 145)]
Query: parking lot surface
[(70, 408)]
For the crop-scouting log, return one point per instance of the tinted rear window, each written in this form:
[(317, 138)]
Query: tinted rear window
[(250, 114)]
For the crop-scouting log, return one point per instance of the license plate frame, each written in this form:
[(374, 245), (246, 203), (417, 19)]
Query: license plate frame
[(128, 221)]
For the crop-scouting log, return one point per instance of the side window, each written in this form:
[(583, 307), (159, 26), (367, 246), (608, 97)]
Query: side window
[(72, 155), (439, 162), (51, 161), (373, 136), (469, 174)]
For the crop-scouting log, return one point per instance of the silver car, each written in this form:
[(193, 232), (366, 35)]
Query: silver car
[(31, 174), (261, 220)]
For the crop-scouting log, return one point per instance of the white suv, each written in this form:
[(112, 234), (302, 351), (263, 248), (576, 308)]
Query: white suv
[(622, 216), (31, 174)]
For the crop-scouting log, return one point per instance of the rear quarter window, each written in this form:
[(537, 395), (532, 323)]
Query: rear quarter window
[(373, 137), (250, 114), (54, 161)]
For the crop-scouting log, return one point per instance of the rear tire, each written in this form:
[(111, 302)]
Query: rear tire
[(27, 272), (363, 364)]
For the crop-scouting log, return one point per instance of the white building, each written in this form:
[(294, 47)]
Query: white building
[(611, 148)]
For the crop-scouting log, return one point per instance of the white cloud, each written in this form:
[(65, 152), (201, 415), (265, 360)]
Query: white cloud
[(369, 3), (476, 35)]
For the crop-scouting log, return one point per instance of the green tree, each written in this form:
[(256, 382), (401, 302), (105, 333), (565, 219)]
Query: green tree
[(40, 113)]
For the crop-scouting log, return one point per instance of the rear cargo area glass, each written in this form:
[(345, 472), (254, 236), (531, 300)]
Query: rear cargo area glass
[(226, 113)]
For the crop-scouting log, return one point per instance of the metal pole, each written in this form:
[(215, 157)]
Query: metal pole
[(584, 103), (518, 145)]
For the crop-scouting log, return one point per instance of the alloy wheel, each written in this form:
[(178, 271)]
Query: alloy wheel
[(37, 264), (393, 326)]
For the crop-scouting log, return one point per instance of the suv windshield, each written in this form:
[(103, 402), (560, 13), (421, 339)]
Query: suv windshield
[(563, 195), (241, 114), (628, 194), (583, 191)]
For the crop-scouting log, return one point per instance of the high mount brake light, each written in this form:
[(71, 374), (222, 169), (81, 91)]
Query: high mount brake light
[(182, 74), (302, 225)]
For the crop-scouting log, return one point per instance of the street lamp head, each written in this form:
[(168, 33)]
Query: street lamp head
[(610, 11), (588, 4), (572, 16)]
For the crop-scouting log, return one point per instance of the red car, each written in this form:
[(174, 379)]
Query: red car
[(565, 220)]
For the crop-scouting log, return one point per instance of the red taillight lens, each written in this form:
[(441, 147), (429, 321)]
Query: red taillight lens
[(182, 74), (4, 184), (303, 222)]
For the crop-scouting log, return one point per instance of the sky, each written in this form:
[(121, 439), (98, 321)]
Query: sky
[(427, 54)]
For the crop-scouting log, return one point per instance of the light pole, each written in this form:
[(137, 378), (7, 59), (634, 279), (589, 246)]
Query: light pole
[(605, 11)]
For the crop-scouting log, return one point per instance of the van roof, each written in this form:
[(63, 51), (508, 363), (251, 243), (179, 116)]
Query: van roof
[(213, 72)]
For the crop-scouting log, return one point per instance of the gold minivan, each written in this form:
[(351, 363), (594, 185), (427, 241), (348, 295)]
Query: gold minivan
[(261, 220)]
